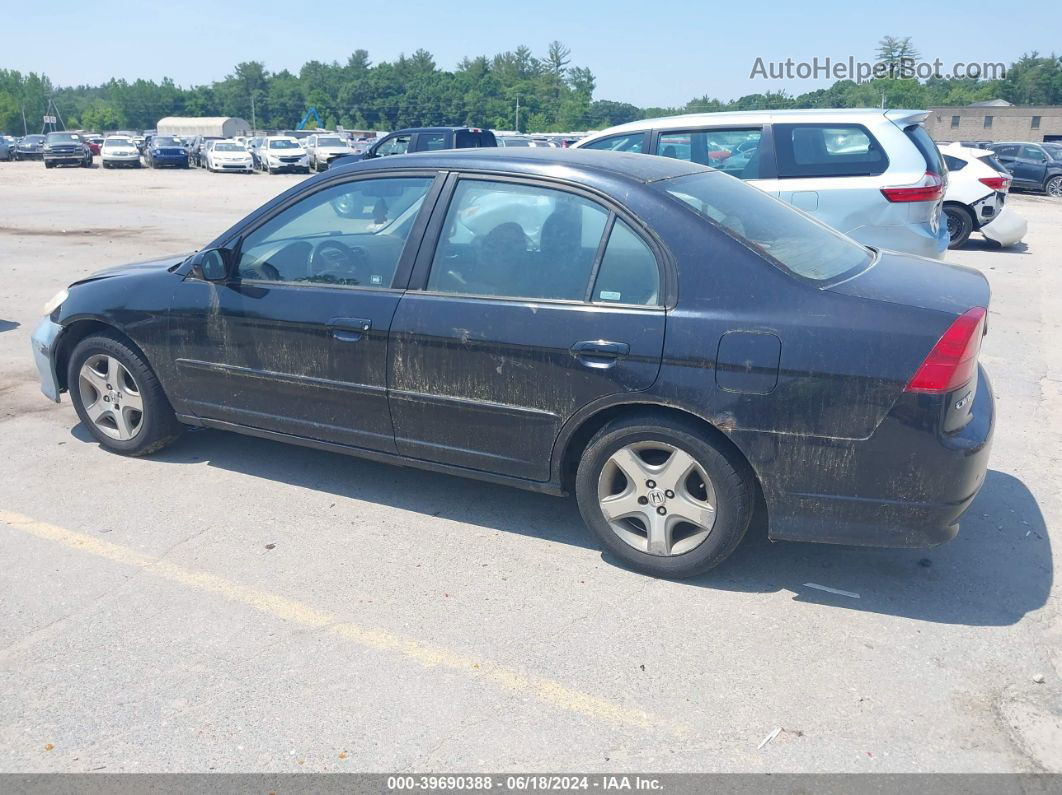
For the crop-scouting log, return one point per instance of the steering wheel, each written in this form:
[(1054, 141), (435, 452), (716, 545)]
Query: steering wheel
[(340, 262)]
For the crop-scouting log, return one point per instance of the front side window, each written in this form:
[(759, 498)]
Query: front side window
[(517, 241), (735, 152), (396, 145), (628, 142), (351, 235), (827, 150), (794, 241)]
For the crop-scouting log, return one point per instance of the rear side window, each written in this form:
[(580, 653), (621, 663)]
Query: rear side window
[(828, 150), (628, 273), (628, 142), (954, 164), (926, 147), (1006, 151), (512, 240), (735, 152), (795, 242), (468, 139), (432, 141)]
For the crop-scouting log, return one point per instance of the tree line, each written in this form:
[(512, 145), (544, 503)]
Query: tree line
[(552, 94)]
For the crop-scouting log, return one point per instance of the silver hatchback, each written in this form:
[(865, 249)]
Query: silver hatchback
[(875, 175)]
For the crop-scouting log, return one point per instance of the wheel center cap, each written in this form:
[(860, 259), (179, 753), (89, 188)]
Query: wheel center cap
[(656, 497)]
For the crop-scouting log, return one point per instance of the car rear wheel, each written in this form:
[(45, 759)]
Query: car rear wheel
[(960, 224), (662, 496), (118, 398), (1053, 187)]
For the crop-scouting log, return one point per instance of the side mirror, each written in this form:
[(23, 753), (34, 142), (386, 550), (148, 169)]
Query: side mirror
[(212, 264)]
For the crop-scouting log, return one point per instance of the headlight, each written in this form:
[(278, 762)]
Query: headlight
[(56, 301)]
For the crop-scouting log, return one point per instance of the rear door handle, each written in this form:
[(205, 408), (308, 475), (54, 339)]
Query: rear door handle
[(599, 353), (349, 329)]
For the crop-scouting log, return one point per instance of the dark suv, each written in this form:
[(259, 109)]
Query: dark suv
[(422, 139), (1033, 167), (66, 149)]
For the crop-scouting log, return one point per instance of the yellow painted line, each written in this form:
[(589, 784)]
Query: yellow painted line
[(546, 690)]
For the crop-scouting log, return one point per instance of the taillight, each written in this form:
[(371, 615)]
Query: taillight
[(953, 360), (995, 183), (928, 189)]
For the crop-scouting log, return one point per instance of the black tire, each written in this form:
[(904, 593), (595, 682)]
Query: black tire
[(158, 426), (730, 478), (1053, 186), (960, 224), (49, 165)]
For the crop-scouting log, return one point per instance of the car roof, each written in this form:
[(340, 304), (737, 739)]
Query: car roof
[(542, 161), (440, 129), (763, 116)]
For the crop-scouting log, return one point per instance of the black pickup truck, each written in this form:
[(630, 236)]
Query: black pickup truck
[(66, 149), (422, 139)]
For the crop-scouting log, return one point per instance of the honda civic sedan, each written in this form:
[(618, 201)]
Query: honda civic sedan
[(671, 345)]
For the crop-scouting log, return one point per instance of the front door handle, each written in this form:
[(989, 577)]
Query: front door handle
[(349, 329), (599, 353)]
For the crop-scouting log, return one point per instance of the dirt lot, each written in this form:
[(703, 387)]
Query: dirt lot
[(235, 604)]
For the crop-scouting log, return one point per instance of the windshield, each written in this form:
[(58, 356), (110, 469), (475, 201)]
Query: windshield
[(228, 148), (166, 141), (793, 240), (330, 142), (63, 138), (117, 142), (283, 144)]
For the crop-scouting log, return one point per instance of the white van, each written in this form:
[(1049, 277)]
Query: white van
[(875, 175)]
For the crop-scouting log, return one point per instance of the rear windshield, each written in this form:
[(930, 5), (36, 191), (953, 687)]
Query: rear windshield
[(794, 241), (920, 138)]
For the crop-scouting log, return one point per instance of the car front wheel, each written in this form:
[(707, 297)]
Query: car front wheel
[(662, 496), (1053, 187), (118, 398)]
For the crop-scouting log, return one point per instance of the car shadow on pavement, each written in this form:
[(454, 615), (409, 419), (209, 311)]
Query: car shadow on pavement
[(8, 325), (997, 570), (986, 245)]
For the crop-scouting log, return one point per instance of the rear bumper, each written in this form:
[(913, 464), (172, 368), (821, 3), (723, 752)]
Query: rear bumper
[(905, 486), (43, 343), (1007, 228)]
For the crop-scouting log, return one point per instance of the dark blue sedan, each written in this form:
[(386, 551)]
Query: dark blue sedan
[(669, 344)]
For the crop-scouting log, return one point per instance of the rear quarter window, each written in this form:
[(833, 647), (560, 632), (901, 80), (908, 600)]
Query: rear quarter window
[(828, 150)]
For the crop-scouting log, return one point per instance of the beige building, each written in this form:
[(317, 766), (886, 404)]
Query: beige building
[(996, 120)]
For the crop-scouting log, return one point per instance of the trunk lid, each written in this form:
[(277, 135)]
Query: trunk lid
[(915, 281)]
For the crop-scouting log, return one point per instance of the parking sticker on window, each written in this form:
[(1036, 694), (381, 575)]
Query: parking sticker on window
[(609, 295)]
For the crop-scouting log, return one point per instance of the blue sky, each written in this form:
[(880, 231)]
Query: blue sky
[(646, 53)]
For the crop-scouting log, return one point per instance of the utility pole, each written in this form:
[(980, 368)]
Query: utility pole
[(518, 113), (25, 129), (254, 126)]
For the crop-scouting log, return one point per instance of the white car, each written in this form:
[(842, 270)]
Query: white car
[(282, 153), (977, 190), (874, 175), (229, 156), (323, 149), (117, 150)]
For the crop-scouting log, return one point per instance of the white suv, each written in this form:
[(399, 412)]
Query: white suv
[(875, 175), (323, 149)]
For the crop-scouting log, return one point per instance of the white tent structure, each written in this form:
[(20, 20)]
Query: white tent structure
[(210, 126)]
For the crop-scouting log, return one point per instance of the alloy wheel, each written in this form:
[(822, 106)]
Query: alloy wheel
[(657, 498), (1054, 187), (111, 397)]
